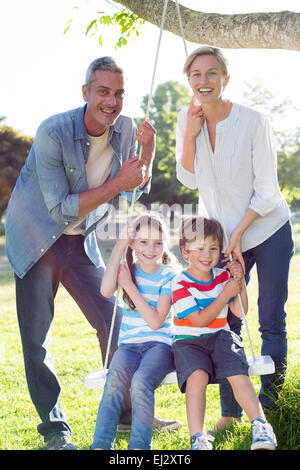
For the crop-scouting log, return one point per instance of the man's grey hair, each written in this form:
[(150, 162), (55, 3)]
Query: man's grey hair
[(102, 63)]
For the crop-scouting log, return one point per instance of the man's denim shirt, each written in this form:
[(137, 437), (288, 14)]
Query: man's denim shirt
[(46, 195)]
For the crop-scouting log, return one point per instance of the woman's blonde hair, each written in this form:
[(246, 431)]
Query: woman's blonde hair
[(206, 50)]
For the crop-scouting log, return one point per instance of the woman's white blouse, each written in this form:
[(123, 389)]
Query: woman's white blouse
[(245, 167)]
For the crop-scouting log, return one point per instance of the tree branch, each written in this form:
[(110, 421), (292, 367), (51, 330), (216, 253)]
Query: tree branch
[(273, 30)]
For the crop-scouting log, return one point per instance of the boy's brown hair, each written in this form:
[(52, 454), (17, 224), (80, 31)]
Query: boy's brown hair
[(201, 228)]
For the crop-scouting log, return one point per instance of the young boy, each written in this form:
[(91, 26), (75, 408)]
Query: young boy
[(205, 349)]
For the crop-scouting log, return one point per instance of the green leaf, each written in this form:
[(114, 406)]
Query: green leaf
[(92, 23), (124, 20), (106, 20), (68, 24), (67, 29)]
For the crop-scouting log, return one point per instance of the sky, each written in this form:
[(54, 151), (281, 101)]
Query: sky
[(42, 70)]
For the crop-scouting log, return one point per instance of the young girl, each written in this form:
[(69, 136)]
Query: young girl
[(205, 350), (144, 356)]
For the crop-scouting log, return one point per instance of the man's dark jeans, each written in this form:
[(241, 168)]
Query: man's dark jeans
[(65, 262)]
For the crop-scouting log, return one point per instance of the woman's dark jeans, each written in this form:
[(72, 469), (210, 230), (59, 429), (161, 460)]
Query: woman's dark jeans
[(65, 262), (272, 259)]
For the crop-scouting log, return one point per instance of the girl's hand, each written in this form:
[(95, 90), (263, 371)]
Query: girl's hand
[(195, 119), (124, 277)]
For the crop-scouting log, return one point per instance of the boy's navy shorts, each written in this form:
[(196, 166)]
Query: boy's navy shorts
[(220, 354)]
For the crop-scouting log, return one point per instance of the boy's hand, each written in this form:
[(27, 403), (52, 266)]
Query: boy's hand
[(232, 288), (236, 269)]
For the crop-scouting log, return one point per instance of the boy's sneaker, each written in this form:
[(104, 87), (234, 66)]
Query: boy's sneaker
[(263, 436), (201, 442)]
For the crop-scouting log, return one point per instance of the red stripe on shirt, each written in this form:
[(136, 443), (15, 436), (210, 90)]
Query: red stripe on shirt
[(223, 277), (180, 294)]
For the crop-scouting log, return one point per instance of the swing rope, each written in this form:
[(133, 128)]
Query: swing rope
[(134, 191), (181, 28), (218, 196), (220, 209)]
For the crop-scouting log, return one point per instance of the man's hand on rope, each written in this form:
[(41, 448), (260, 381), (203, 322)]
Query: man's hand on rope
[(146, 136), (132, 173)]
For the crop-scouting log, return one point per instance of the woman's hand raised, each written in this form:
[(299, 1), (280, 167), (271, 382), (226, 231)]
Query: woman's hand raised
[(195, 119)]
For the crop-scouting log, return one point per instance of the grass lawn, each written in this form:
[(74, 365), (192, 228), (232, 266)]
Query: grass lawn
[(75, 353)]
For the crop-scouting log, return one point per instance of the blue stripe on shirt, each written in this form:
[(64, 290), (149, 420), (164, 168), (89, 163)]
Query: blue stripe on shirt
[(187, 312)]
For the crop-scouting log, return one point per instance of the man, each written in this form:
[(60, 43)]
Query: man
[(80, 160)]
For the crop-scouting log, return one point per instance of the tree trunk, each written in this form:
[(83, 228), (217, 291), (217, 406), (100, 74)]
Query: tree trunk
[(274, 30)]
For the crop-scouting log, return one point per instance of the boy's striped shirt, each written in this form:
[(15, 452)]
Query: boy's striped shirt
[(190, 295), (134, 329)]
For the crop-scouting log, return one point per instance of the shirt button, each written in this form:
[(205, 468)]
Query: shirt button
[(88, 143), (42, 250), (53, 236), (66, 223)]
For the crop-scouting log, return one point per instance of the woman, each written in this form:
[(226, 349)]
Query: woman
[(239, 143)]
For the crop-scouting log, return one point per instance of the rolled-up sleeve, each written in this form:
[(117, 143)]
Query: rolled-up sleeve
[(138, 192), (62, 206), (266, 193), (185, 177)]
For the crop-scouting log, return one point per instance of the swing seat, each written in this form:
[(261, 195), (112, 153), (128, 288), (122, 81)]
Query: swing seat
[(96, 379), (260, 365)]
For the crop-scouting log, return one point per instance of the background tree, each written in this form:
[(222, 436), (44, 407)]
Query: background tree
[(14, 149)]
